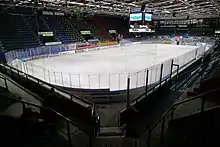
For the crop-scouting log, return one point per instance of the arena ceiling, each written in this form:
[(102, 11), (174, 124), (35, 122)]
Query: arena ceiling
[(160, 8)]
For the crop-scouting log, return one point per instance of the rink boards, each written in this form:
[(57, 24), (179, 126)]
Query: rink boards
[(109, 68)]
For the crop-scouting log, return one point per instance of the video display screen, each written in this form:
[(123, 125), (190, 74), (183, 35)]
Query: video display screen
[(136, 17), (148, 17), (141, 22)]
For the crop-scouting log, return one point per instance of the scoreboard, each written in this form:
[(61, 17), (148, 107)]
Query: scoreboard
[(141, 21)]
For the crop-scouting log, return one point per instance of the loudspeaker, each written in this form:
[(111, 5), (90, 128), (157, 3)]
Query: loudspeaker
[(143, 7)]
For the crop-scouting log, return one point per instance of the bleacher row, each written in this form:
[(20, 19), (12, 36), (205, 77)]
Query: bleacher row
[(19, 28)]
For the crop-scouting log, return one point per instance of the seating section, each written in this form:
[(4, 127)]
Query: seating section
[(165, 31), (16, 34), (61, 29), (1, 47), (119, 25), (24, 31), (43, 26), (70, 28), (81, 25), (100, 29), (19, 30), (103, 24)]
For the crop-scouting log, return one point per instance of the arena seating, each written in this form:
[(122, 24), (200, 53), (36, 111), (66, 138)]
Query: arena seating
[(70, 29), (100, 29), (15, 34), (19, 30), (165, 31), (117, 25), (201, 31), (1, 47), (61, 29), (81, 25), (43, 26), (24, 32), (58, 29)]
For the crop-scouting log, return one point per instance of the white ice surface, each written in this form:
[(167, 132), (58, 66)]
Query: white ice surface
[(108, 68)]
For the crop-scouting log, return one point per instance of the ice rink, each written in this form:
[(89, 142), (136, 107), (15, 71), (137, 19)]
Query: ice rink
[(108, 68)]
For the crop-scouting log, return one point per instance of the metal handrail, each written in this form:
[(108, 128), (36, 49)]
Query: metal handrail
[(89, 130), (182, 102), (71, 121), (6, 85), (158, 83), (171, 111), (60, 89), (39, 106), (196, 97), (154, 86)]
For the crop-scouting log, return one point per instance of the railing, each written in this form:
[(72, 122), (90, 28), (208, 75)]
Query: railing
[(167, 80), (112, 81), (155, 134), (5, 82), (70, 96), (66, 127), (194, 72), (164, 80)]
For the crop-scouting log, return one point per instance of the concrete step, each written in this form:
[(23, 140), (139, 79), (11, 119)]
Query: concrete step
[(192, 94), (111, 131)]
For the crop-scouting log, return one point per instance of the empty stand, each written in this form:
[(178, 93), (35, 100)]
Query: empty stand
[(70, 29), (19, 30), (81, 25), (16, 34), (62, 33), (119, 25), (100, 29)]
